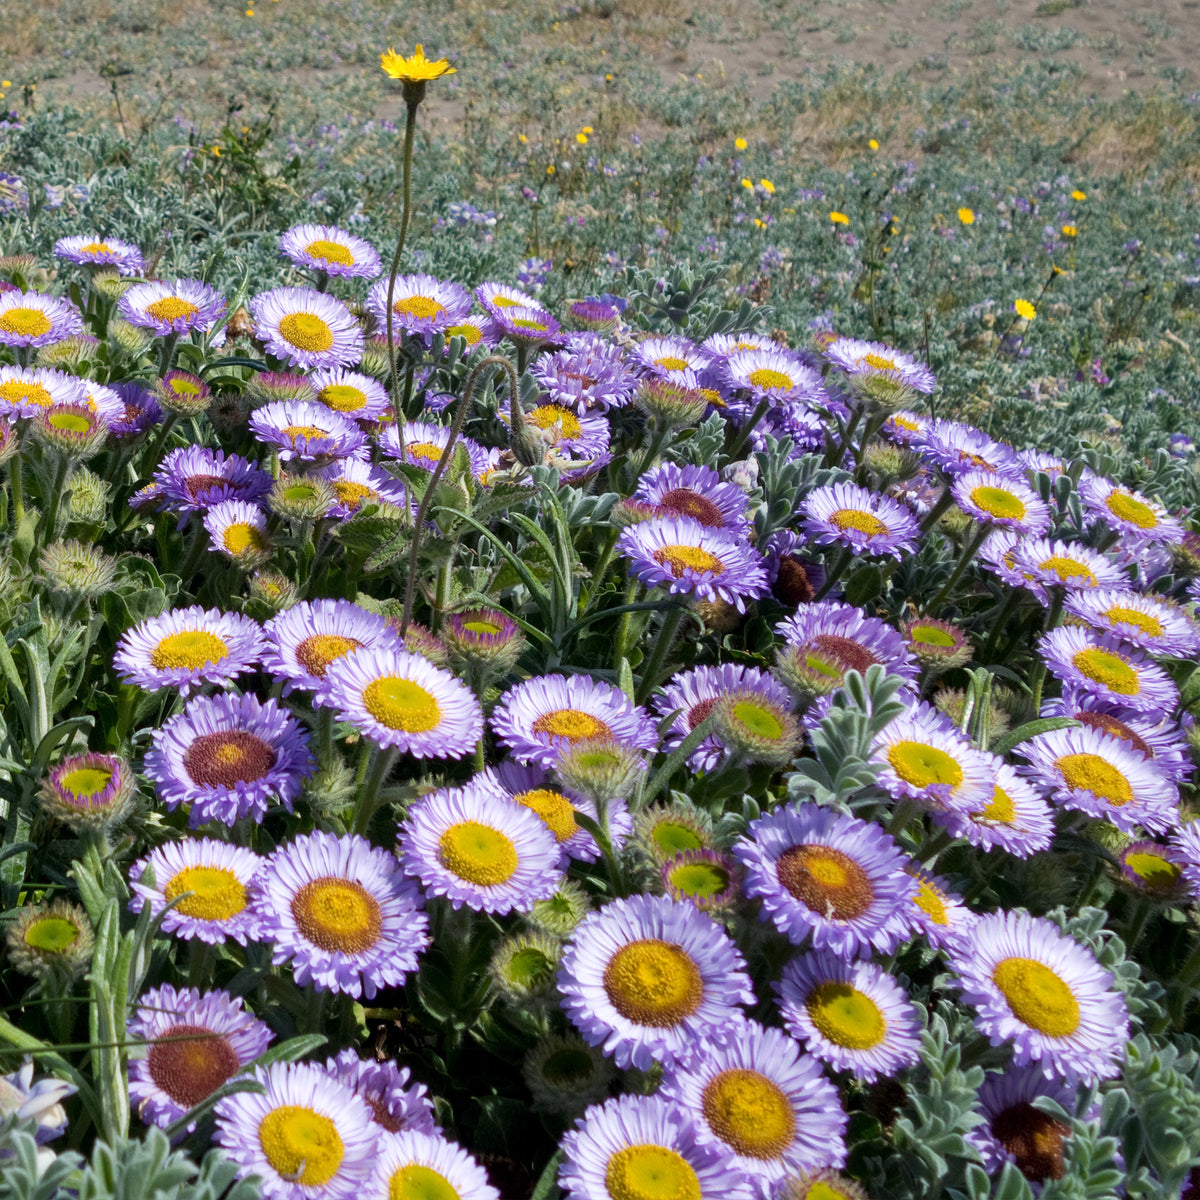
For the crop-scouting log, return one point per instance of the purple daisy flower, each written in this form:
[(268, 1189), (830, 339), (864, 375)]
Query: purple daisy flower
[(194, 478), (1128, 512), (1004, 502), (647, 979), (865, 522), (302, 641), (396, 1104), (416, 1162), (421, 304), (219, 879), (847, 635), (238, 530), (861, 358), (31, 319), (537, 717), (835, 877), (1034, 988), (754, 1093), (497, 297), (1145, 619), (528, 325), (852, 1015), (425, 442), (477, 848), (1015, 818), (577, 435), (307, 329), (590, 373), (958, 448), (356, 483), (188, 647), (96, 251), (618, 1145), (1044, 563), (777, 376), (184, 306), (1109, 668), (1038, 460), (331, 251), (103, 401), (475, 330), (358, 397), (673, 358), (342, 912), (307, 431), (194, 1044), (26, 391), (905, 428), (229, 757), (1185, 842), (696, 492)]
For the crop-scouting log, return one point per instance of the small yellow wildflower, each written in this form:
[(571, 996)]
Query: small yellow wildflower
[(1069, 231), (748, 184), (873, 144), (5, 83), (1025, 309), (608, 79), (416, 69), (1078, 195), (582, 138), (767, 186), (966, 216), (739, 143), (760, 222), (587, 129), (839, 218), (550, 169), (522, 138)]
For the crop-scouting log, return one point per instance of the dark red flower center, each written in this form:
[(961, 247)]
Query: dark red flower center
[(189, 1063), (228, 758)]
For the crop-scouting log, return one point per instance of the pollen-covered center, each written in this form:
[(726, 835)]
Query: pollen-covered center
[(25, 322), (1068, 568), (1147, 623), (1108, 669), (846, 1016), (327, 251), (1126, 507), (923, 765), (172, 308), (878, 362), (1091, 773), (767, 379), (200, 485), (688, 503), (217, 893), (649, 1172), (749, 1112), (678, 559), (337, 914), (227, 758), (550, 416), (572, 724), (15, 391), (307, 432), (1000, 808), (402, 704), (470, 333), (1037, 996), (671, 362), (1034, 1139), (189, 650), (425, 450), (999, 503), (555, 810), (826, 881), (351, 495), (415, 1182), (931, 902), (342, 397), (86, 782), (1110, 724), (241, 537), (189, 1063), (478, 853), (652, 982), (51, 935), (96, 248), (854, 656), (306, 331), (301, 1145), (318, 650), (421, 308), (858, 520)]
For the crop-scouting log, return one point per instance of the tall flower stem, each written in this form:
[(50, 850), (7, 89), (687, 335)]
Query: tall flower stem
[(970, 547), (382, 759), (1039, 672), (15, 468), (662, 648)]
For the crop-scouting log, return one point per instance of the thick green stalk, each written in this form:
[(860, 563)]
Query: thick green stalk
[(662, 648), (368, 795)]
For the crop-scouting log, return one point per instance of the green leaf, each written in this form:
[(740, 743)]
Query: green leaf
[(547, 1187), (1032, 729), (677, 758)]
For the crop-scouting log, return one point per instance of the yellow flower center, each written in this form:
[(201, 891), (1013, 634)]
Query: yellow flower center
[(766, 379), (301, 1145), (647, 1172), (555, 810), (341, 397), (425, 450), (69, 422), (1091, 773), (855, 518), (241, 537), (931, 635), (306, 331), (96, 248), (86, 781), (17, 392), (51, 935), (671, 362), (328, 251), (478, 853), (878, 362), (547, 416), (316, 652), (304, 431), (1037, 996), (998, 502), (1109, 669), (421, 308), (826, 881), (469, 333), (846, 1016), (932, 902), (25, 322), (529, 323), (758, 720), (1000, 808), (572, 724), (171, 308), (184, 387), (1153, 870), (688, 558), (190, 649), (1068, 568), (338, 915), (217, 893), (401, 704), (652, 982), (352, 495), (1126, 507), (923, 765), (415, 1182), (1146, 622), (749, 1112)]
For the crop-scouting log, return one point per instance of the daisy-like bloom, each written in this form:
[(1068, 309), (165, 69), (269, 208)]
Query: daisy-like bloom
[(184, 306), (482, 640), (475, 330), (71, 430), (183, 394), (307, 1137), (139, 409), (193, 1044), (342, 912), (418, 1164), (860, 358), (696, 693), (103, 401), (25, 391), (646, 978), (1185, 842), (229, 757), (1038, 460), (775, 375), (754, 1093), (1147, 620), (330, 250), (356, 482), (1015, 818), (904, 428), (696, 492), (356, 396), (941, 916), (846, 635), (497, 297), (307, 432), (1109, 668), (89, 791), (637, 1147), (590, 373), (194, 478), (401, 700), (306, 328), (957, 448), (835, 877), (844, 514), (755, 727), (303, 640), (219, 879), (1045, 563), (690, 559), (535, 718), (937, 645), (1037, 990), (24, 1100), (421, 304), (101, 252), (416, 68), (1093, 772), (579, 435), (673, 358), (188, 647), (424, 444), (31, 319), (1004, 502), (527, 325), (852, 1015), (238, 530), (396, 1104), (925, 759), (1128, 512), (479, 849)]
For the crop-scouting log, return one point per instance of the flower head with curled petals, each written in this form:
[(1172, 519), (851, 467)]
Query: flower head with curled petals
[(416, 68), (1109, 668), (413, 1165), (1145, 619), (697, 492), (32, 319), (183, 306), (1014, 818), (307, 431), (302, 641), (26, 391), (94, 251), (330, 250), (844, 514), (306, 328), (421, 304), (1128, 512), (396, 1103), (861, 358), (194, 478), (1005, 502)]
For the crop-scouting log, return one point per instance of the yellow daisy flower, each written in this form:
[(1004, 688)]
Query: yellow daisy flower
[(416, 69), (873, 144), (1078, 195), (839, 218), (1025, 309), (739, 143), (1069, 231), (966, 216)]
